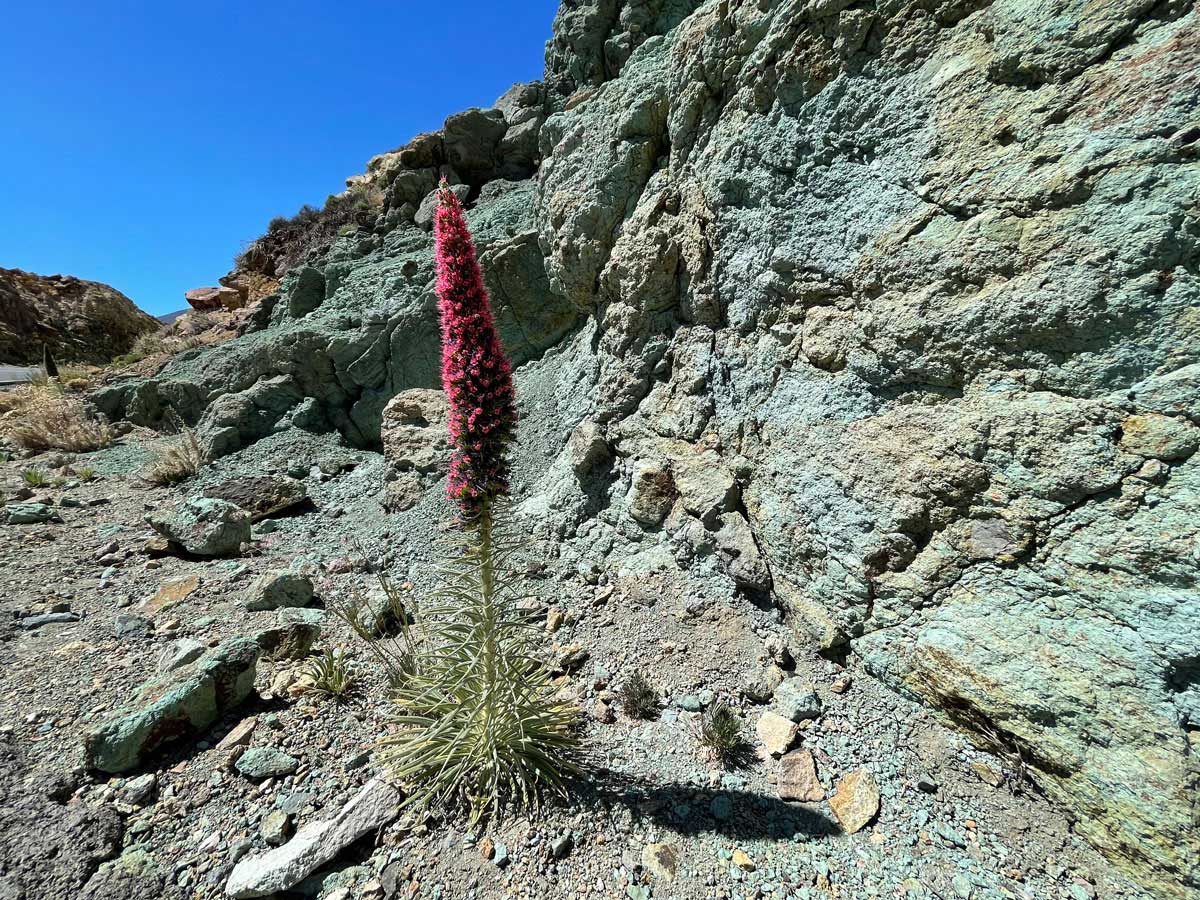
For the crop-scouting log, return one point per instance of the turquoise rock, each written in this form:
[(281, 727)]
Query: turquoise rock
[(174, 706), (259, 763)]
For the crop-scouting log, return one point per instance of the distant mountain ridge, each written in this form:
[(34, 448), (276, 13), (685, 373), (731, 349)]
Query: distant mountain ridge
[(80, 321)]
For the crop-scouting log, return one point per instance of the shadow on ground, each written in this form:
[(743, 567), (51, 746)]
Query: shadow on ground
[(692, 810)]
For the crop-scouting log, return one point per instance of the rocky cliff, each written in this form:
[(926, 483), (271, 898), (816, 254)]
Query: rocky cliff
[(886, 314), (80, 321)]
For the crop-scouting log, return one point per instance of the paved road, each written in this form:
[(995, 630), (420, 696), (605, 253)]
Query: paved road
[(17, 374)]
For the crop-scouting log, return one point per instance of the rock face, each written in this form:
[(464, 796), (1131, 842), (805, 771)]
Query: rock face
[(886, 313), (80, 321)]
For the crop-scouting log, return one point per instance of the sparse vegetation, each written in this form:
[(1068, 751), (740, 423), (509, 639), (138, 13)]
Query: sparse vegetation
[(289, 240), (35, 478), (178, 461), (42, 418), (161, 343), (638, 698), (387, 626), (85, 473), (477, 722), (720, 734), (333, 676)]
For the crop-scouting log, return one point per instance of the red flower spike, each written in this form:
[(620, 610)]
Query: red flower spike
[(476, 375)]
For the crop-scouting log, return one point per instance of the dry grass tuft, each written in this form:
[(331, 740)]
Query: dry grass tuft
[(40, 417), (177, 462)]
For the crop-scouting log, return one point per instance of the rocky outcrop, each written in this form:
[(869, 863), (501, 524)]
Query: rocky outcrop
[(883, 313), (214, 298), (80, 321)]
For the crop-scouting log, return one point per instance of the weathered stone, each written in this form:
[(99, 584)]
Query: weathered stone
[(127, 625), (760, 683), (797, 700), (138, 791), (275, 827), (776, 733), (179, 653), (174, 706), (588, 448), (413, 431), (55, 618), (261, 496), (314, 845), (259, 763), (470, 138), (1159, 437), (742, 860), (239, 735), (170, 593), (661, 861), (208, 299), (291, 639), (653, 492), (798, 778), (275, 590), (856, 802), (204, 526), (28, 513), (736, 546)]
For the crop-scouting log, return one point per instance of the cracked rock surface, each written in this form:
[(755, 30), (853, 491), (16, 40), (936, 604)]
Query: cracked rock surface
[(882, 315)]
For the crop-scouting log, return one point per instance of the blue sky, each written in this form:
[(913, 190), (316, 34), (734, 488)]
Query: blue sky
[(143, 144)]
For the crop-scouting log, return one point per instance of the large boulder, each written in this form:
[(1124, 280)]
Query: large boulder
[(204, 526), (413, 431), (180, 704), (214, 298)]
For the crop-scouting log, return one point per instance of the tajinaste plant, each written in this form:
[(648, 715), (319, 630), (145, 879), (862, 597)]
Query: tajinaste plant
[(479, 725), (476, 375)]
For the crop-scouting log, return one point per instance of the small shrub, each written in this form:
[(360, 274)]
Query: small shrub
[(35, 478), (721, 735), (148, 343), (85, 473), (638, 697), (386, 626), (50, 421), (333, 677), (178, 461)]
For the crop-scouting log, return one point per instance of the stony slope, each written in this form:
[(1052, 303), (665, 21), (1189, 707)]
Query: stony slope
[(80, 321), (883, 314)]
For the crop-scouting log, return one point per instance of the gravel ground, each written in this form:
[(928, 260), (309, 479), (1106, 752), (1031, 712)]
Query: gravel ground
[(952, 822)]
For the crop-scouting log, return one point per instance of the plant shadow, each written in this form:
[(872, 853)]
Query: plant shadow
[(692, 810)]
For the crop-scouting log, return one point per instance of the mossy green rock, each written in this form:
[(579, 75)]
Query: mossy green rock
[(173, 707)]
